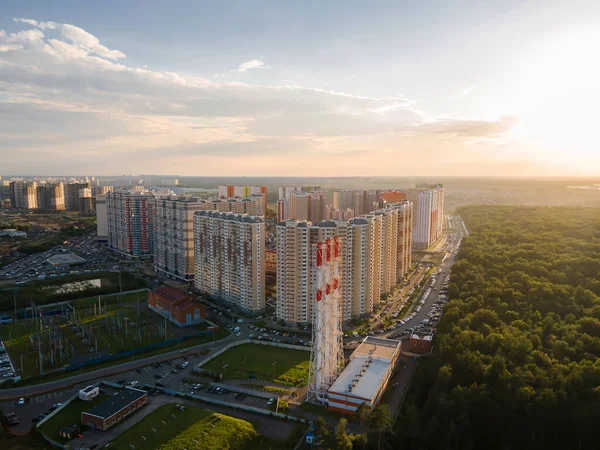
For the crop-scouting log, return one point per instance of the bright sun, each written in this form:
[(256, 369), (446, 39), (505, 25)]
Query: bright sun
[(558, 94)]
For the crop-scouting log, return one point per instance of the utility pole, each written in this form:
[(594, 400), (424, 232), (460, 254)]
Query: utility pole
[(15, 302)]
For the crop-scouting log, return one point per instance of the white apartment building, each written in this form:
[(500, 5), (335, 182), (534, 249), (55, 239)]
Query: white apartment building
[(374, 252), (229, 254), (174, 236), (428, 215), (23, 194), (101, 220), (286, 191)]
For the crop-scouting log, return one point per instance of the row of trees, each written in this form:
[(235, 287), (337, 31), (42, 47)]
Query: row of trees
[(518, 349)]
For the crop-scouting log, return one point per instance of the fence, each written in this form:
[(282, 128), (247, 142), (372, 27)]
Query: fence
[(252, 392), (215, 401), (135, 351), (243, 342)]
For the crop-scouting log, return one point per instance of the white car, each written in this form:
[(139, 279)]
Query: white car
[(21, 401), (271, 401), (133, 383)]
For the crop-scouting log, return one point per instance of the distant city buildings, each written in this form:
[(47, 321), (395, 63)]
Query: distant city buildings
[(23, 195), (51, 196), (428, 200), (226, 191), (229, 252), (101, 220)]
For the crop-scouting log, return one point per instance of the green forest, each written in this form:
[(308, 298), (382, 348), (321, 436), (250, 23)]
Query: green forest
[(516, 361)]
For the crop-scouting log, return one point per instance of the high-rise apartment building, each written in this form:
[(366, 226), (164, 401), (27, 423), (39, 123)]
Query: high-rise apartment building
[(23, 195), (51, 196), (428, 217), (283, 210), (226, 191), (375, 253), (72, 191), (310, 206), (130, 219), (101, 220), (229, 254), (405, 221), (360, 201), (86, 204), (286, 191), (174, 236)]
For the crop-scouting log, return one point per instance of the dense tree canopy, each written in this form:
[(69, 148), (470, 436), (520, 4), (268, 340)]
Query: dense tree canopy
[(518, 348)]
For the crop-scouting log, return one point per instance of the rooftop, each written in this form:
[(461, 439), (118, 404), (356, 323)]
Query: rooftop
[(116, 403), (367, 368), (377, 348), (65, 259), (427, 337), (170, 294)]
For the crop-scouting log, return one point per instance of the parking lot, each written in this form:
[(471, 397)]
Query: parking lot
[(35, 266)]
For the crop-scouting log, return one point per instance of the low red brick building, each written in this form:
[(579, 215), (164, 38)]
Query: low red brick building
[(114, 409), (177, 306), (420, 344)]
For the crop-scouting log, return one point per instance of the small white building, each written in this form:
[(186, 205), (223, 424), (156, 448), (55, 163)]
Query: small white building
[(89, 392), (12, 232)]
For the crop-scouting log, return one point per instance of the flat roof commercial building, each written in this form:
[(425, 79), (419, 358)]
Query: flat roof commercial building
[(65, 259), (114, 409), (365, 378)]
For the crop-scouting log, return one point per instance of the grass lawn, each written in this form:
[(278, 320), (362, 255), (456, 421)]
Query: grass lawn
[(193, 428), (280, 365), (69, 415)]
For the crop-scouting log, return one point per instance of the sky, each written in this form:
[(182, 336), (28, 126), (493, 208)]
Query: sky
[(311, 88)]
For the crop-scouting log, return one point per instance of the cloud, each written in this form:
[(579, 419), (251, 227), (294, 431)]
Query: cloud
[(77, 36), (41, 25), (63, 92), (252, 64), (471, 128), (463, 93)]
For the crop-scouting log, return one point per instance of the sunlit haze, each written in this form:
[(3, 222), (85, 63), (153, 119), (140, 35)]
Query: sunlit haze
[(337, 88)]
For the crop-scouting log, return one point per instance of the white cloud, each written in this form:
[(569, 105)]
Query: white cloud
[(76, 97), (463, 93), (252, 64), (78, 37), (35, 23)]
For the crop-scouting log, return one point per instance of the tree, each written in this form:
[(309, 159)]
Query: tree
[(380, 421), (342, 439), (362, 413), (321, 428)]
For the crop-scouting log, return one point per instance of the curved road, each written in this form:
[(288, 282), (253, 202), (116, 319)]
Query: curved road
[(50, 386)]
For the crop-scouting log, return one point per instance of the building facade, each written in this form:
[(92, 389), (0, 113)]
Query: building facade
[(114, 409), (101, 220), (176, 306), (23, 195), (51, 196), (226, 191), (174, 236), (428, 217), (229, 253), (375, 254), (130, 223)]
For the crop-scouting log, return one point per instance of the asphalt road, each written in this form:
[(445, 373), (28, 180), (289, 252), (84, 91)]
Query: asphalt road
[(26, 391)]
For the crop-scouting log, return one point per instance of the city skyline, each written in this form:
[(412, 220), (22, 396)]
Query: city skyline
[(283, 89)]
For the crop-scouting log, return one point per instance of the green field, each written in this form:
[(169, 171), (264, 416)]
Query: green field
[(69, 415), (193, 428), (280, 365)]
